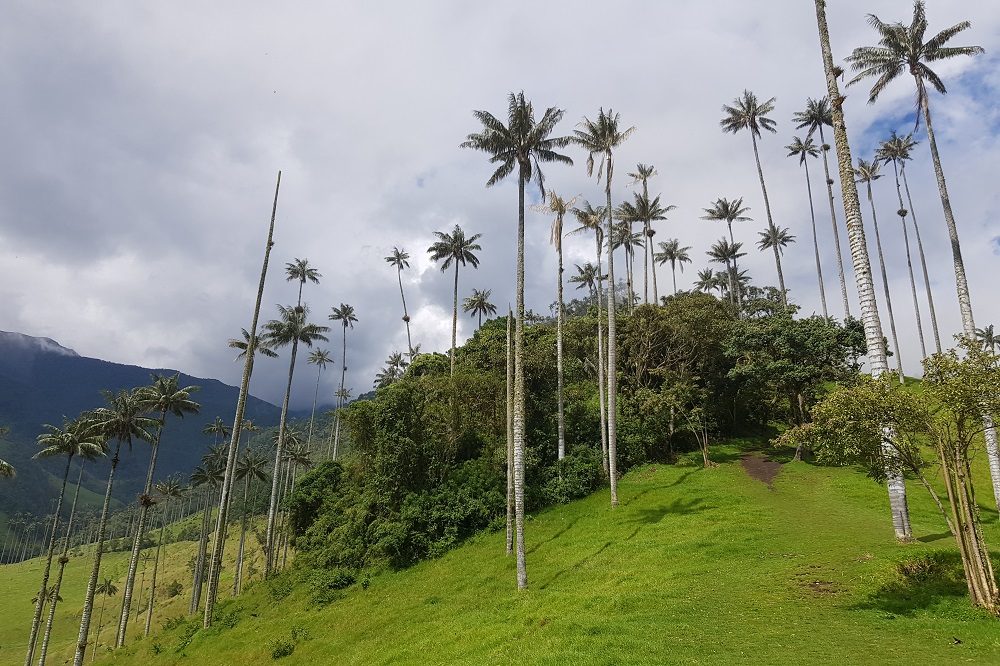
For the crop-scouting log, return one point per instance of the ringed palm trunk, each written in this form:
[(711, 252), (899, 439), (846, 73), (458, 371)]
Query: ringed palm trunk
[(770, 221), (406, 315), (454, 320), (340, 399), (559, 354), (156, 567), (923, 262), (510, 432), (734, 276), (88, 600), (862, 266), (612, 351), (100, 624), (885, 287), (144, 504), (836, 227), (244, 524), (63, 560), (601, 360), (909, 262), (519, 424), (961, 283), (234, 442), (272, 511), (312, 416), (36, 620), (199, 567), (819, 266)]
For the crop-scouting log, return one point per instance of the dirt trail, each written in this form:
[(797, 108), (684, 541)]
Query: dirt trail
[(761, 468)]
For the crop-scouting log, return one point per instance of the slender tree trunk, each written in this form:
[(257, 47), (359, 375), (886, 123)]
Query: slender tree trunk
[(156, 566), (862, 265), (601, 359), (238, 572), (819, 266), (519, 423), (145, 501), (340, 398), (510, 432), (909, 262), (454, 321), (836, 228), (673, 274), (272, 511), (312, 416), (612, 352), (234, 442), (923, 263), (36, 620), (199, 567), (961, 283), (885, 287), (406, 316), (100, 623), (734, 281), (291, 489), (561, 425), (88, 601), (770, 221)]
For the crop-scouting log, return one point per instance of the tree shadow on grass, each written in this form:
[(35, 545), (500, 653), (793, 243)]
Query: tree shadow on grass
[(921, 583), (645, 491), (555, 536), (576, 565), (931, 538)]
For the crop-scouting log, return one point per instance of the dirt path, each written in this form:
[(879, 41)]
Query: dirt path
[(761, 468)]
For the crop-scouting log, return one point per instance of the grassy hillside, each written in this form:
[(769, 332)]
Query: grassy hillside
[(695, 566)]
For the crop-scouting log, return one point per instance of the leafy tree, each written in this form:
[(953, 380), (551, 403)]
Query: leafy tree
[(804, 150), (399, 259)]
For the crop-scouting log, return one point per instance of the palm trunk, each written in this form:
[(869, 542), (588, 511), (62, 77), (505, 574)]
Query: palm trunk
[(199, 567), (144, 504), (734, 279), (519, 423), (770, 221), (561, 425), (885, 287), (454, 321), (862, 265), (312, 416), (646, 239), (612, 352), (272, 511), (100, 623), (909, 262), (819, 266), (836, 228), (673, 274), (923, 262), (340, 397), (510, 433), (600, 359), (406, 316), (961, 284), (156, 567), (238, 571), (234, 442), (63, 559), (36, 620), (291, 489), (88, 601)]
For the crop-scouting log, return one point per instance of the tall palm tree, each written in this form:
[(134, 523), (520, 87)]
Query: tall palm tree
[(524, 143), (874, 338), (399, 259), (724, 252), (868, 172), (748, 113), (394, 368), (646, 211), (234, 442), (775, 238), (509, 353), (292, 328), (804, 150), (896, 149), (170, 490), (671, 251), (122, 419), (479, 304), (343, 395), (298, 457), (455, 248), (260, 347), (251, 467), (727, 211), (106, 589), (320, 358), (301, 271), (591, 219), (347, 317), (624, 237), (600, 138), (163, 396), (586, 276), (642, 174), (814, 117), (208, 476), (74, 438)]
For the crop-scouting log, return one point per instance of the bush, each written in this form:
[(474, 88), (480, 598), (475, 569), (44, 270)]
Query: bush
[(923, 568), (325, 584), (281, 648), (173, 589), (280, 586), (577, 475)]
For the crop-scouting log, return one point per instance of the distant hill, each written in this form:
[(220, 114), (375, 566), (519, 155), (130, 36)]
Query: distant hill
[(42, 382)]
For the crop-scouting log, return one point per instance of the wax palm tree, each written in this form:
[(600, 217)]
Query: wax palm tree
[(74, 438), (260, 347), (591, 219), (867, 173), (896, 149), (804, 150), (600, 138), (395, 365), (814, 117), (644, 210), (164, 396), (170, 490), (320, 358), (642, 174), (347, 317), (672, 252), (479, 304), (293, 441), (586, 276), (988, 338), (208, 476), (218, 429), (343, 395), (292, 328), (748, 113), (725, 252), (122, 419), (455, 248), (252, 466), (106, 589), (624, 237), (704, 283), (524, 143), (727, 211), (874, 338), (298, 457), (775, 238), (399, 259), (301, 271)]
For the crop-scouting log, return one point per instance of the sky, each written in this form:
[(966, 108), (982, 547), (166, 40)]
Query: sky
[(141, 142)]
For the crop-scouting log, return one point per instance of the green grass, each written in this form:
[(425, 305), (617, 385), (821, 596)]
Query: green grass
[(695, 566)]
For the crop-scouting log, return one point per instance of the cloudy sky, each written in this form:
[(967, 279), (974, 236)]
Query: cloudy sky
[(141, 142)]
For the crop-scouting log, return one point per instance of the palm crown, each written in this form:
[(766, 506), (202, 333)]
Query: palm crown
[(262, 348), (301, 270), (479, 303), (344, 314), (455, 247), (77, 437), (868, 171), (320, 357), (774, 237), (600, 137), (896, 148), (802, 149), (671, 251), (399, 259), (165, 395), (816, 114), (747, 112), (723, 209), (293, 327)]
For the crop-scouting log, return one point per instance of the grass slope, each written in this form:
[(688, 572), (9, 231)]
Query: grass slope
[(696, 566)]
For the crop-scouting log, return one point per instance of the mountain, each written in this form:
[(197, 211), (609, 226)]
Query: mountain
[(43, 382)]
